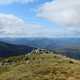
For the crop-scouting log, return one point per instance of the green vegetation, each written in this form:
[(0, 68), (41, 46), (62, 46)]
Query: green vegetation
[(37, 66)]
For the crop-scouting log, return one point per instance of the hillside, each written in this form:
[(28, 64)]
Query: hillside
[(49, 43), (39, 66), (7, 49), (67, 46)]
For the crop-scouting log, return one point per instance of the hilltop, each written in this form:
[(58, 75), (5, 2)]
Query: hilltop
[(39, 66)]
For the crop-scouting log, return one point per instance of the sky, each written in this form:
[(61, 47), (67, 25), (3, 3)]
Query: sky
[(39, 18)]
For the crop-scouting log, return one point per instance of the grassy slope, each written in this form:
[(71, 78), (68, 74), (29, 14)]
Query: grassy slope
[(42, 67)]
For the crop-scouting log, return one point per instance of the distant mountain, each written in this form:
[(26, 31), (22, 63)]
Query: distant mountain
[(49, 43), (7, 49), (65, 46)]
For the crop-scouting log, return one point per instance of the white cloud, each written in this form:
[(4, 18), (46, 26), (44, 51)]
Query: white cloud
[(12, 26), (65, 12), (15, 1)]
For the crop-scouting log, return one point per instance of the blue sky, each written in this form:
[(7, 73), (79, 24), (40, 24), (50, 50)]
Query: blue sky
[(26, 11), (39, 18)]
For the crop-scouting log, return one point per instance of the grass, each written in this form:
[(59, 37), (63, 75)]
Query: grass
[(40, 67)]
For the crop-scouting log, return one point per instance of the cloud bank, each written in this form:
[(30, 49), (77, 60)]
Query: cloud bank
[(64, 12), (12, 26)]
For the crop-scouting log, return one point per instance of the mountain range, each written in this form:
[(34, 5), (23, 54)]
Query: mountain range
[(49, 43), (66, 46)]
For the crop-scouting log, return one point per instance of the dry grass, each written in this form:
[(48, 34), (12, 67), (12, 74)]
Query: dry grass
[(43, 67)]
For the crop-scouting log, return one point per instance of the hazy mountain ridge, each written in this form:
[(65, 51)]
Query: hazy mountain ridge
[(7, 49), (46, 42), (65, 46)]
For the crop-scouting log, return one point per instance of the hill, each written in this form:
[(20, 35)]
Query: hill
[(49, 43), (67, 46), (39, 66), (7, 49)]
